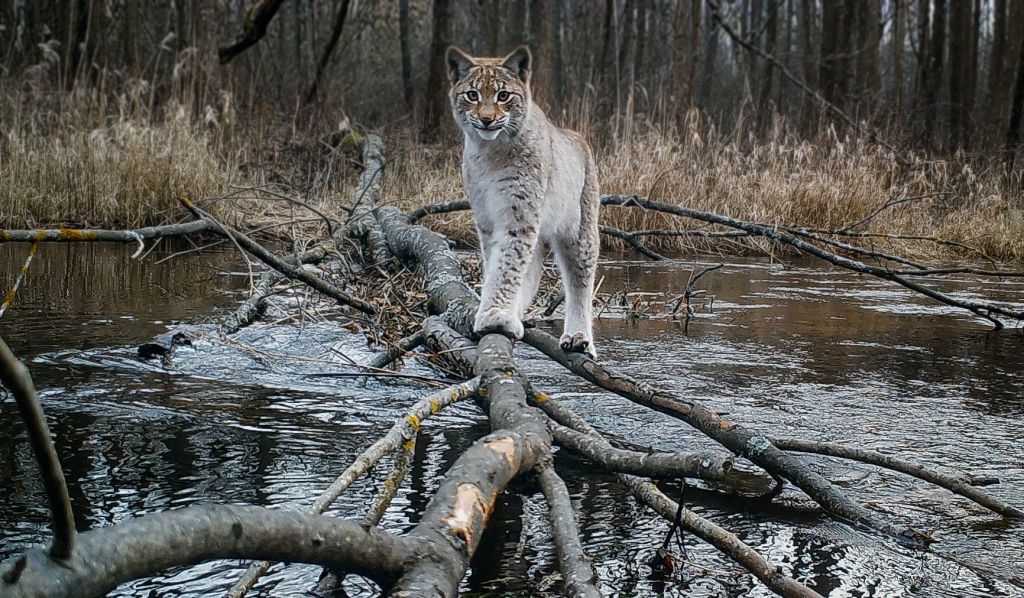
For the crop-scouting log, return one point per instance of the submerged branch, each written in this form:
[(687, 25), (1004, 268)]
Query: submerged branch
[(983, 309), (404, 430), (580, 579), (727, 542), (739, 439), (956, 484), (16, 378)]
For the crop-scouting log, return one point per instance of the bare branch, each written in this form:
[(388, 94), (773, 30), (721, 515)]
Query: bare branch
[(827, 105), (633, 242), (22, 273), (440, 208), (737, 438), (706, 530), (109, 556), (257, 19), (983, 309), (579, 576), (16, 378), (71, 235), (403, 431), (956, 484), (290, 270)]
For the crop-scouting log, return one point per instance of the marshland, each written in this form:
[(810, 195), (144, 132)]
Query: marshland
[(813, 233)]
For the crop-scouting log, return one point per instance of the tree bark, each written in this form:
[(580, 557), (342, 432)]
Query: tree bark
[(257, 19), (437, 80), (406, 50), (1013, 130), (325, 57)]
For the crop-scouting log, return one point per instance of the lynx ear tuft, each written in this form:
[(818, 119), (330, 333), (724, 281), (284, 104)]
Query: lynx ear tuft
[(459, 64), (520, 62)]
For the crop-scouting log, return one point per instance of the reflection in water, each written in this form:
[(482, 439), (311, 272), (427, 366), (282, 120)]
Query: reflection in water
[(799, 351)]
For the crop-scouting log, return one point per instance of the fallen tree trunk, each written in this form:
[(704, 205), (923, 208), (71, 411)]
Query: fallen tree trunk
[(433, 557)]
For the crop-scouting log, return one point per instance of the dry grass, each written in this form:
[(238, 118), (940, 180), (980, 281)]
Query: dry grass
[(102, 159), (77, 161), (828, 183)]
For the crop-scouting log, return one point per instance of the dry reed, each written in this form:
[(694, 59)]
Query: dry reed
[(92, 157)]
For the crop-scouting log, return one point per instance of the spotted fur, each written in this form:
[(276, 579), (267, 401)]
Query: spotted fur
[(532, 186)]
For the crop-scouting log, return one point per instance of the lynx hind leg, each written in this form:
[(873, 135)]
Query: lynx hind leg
[(577, 262), (531, 281)]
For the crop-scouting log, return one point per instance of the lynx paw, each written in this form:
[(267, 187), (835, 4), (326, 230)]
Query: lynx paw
[(577, 342), (495, 319)]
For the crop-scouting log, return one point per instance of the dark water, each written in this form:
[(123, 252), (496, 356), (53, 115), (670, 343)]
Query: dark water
[(800, 352)]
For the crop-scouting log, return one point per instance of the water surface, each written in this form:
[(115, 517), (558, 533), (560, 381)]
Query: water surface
[(795, 350)]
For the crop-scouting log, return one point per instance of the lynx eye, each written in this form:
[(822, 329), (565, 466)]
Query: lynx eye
[(503, 96), (472, 96)]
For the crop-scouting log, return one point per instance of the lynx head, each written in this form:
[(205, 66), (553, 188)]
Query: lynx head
[(490, 95)]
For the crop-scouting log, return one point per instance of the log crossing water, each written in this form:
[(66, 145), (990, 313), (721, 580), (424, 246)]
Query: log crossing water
[(808, 352)]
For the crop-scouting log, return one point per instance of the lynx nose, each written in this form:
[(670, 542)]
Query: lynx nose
[(485, 121)]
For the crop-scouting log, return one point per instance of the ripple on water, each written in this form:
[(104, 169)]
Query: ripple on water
[(803, 352)]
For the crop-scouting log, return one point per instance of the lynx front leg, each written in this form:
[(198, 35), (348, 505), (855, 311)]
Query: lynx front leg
[(505, 271)]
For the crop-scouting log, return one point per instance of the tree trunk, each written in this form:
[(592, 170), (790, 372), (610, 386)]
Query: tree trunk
[(809, 59), (710, 56), (406, 50), (764, 95), (996, 61), (437, 78), (542, 79), (935, 68), (959, 67), (899, 24), (830, 60), (325, 58), (868, 42), (1016, 110)]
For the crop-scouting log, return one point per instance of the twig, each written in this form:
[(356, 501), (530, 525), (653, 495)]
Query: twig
[(891, 203), (400, 348), (9, 298), (290, 270), (986, 310), (401, 432), (16, 378)]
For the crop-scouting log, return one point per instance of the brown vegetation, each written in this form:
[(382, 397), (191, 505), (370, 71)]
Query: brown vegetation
[(108, 117)]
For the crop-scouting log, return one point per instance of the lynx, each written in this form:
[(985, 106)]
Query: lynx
[(531, 185)]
